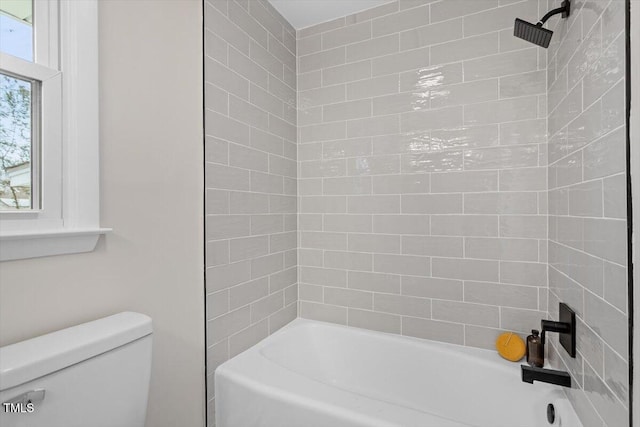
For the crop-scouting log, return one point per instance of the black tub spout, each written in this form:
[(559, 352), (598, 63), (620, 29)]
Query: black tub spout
[(551, 376)]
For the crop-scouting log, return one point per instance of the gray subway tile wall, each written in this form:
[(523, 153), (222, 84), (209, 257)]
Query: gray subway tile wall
[(587, 204), (251, 177), (422, 171), (453, 166)]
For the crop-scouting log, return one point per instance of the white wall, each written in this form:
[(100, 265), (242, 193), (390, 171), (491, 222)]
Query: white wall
[(151, 195)]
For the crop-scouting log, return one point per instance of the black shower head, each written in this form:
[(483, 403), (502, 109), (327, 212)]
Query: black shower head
[(532, 33), (535, 33)]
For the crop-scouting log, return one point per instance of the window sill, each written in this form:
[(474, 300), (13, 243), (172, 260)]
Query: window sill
[(49, 243)]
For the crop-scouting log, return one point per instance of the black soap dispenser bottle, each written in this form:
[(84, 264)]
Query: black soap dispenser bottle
[(535, 350)]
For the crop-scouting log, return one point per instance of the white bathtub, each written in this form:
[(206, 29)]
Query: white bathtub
[(315, 374)]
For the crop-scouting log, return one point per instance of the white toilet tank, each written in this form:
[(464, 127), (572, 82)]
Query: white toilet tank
[(91, 375)]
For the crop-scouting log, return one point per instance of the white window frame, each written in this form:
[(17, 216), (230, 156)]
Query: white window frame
[(66, 53)]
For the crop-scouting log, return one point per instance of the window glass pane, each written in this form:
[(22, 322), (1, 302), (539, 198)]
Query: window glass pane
[(16, 28), (16, 160)]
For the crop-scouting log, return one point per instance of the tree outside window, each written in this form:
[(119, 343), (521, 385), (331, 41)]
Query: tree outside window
[(15, 143)]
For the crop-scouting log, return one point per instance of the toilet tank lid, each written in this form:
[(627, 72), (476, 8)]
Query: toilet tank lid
[(36, 357)]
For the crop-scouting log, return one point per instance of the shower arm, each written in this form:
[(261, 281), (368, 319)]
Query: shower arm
[(564, 9)]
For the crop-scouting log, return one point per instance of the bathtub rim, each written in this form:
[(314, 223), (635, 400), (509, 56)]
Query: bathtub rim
[(266, 375)]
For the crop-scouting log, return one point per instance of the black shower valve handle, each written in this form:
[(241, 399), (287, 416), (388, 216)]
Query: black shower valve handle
[(552, 326), (566, 327)]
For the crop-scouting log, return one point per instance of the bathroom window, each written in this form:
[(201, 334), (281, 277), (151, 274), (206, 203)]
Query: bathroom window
[(48, 127), (19, 108), (19, 142)]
